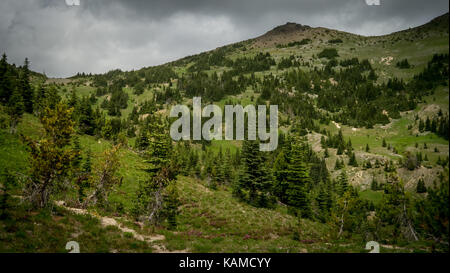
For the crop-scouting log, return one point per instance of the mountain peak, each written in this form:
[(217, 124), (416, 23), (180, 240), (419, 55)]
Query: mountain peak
[(288, 28), (284, 33)]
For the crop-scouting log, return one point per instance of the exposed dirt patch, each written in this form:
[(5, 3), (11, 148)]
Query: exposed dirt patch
[(109, 221), (336, 124), (314, 140), (410, 178), (430, 111), (386, 60)]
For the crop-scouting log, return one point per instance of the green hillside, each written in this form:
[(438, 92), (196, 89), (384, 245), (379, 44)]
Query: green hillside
[(363, 150)]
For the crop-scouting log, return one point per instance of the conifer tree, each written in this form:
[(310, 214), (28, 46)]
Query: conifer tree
[(250, 178), (84, 178), (342, 183), (324, 200), (15, 109), (374, 184), (86, 122), (25, 87), (50, 159), (8, 183), (152, 196), (6, 87), (106, 177), (395, 209), (421, 188), (352, 161), (170, 205), (142, 139), (298, 182), (77, 158), (280, 175)]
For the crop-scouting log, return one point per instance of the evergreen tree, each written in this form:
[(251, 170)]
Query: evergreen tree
[(107, 130), (15, 109), (153, 196), (421, 188), (374, 184), (86, 122), (324, 201), (250, 179), (352, 161), (171, 203), (8, 183), (395, 210), (280, 174), (106, 177), (50, 159), (25, 87), (6, 85), (142, 141), (433, 214), (339, 164), (342, 181), (77, 158), (298, 182)]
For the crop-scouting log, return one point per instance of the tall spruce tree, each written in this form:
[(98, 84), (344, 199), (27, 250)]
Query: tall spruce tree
[(25, 86), (250, 178), (15, 109), (6, 87), (152, 196), (342, 181), (298, 182), (280, 174)]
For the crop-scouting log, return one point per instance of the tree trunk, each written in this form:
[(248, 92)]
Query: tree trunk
[(341, 229)]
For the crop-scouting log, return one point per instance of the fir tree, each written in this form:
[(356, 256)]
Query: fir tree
[(298, 182), (280, 175), (27, 91), (6, 86), (421, 188), (374, 184), (342, 181), (50, 159), (153, 196), (15, 109), (86, 122), (352, 161), (251, 177)]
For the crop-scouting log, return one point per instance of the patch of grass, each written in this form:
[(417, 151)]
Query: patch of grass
[(48, 230), (372, 196)]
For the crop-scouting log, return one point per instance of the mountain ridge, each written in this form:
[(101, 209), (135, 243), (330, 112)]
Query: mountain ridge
[(292, 32)]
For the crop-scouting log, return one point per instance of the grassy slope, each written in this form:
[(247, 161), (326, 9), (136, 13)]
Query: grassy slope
[(45, 231), (213, 220), (209, 221)]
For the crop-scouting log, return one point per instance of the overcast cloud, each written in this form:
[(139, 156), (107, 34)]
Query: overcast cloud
[(100, 35)]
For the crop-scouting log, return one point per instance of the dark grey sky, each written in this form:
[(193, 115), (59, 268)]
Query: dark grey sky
[(100, 35)]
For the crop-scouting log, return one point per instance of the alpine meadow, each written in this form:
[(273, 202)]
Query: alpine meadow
[(362, 151)]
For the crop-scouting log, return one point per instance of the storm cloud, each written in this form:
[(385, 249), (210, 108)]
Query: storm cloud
[(100, 35)]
